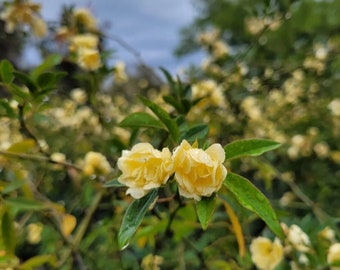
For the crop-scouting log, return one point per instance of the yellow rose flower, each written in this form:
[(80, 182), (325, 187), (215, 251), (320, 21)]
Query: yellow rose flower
[(84, 17), (34, 233), (265, 254), (84, 41), (144, 168), (119, 73), (24, 13), (333, 255), (89, 59), (96, 163), (198, 172)]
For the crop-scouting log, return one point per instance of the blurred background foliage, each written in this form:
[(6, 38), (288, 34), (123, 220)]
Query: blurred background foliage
[(271, 70)]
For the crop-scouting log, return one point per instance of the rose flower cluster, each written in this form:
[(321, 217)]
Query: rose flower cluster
[(198, 173)]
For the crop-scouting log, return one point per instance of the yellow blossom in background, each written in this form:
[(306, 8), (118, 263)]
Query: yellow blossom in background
[(209, 37), (39, 27), (152, 262), (96, 163), (67, 224), (322, 149), (199, 172), (220, 49), (63, 33), (297, 238), (333, 256), (24, 13), (211, 93), (144, 168), (89, 59), (84, 17), (334, 106), (84, 41), (58, 157), (265, 254), (328, 233), (34, 233), (119, 72), (79, 96)]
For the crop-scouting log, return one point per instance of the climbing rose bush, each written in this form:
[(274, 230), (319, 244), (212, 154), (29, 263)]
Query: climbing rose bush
[(198, 172)]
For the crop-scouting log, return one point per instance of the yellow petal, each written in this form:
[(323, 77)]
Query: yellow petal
[(68, 223)]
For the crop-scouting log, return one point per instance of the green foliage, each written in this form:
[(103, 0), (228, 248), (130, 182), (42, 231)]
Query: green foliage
[(205, 209), (140, 120), (250, 147), (269, 82), (133, 217), (250, 197)]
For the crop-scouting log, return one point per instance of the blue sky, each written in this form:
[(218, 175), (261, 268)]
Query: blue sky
[(150, 27)]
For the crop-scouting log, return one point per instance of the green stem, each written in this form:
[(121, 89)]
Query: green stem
[(25, 130), (38, 158), (86, 220)]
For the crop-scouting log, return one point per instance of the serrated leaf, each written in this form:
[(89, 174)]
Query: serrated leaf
[(164, 117), (253, 199), (205, 209), (6, 71), (249, 147), (140, 120), (133, 217), (39, 260), (26, 80), (196, 132), (23, 146), (113, 183), (7, 232), (25, 204)]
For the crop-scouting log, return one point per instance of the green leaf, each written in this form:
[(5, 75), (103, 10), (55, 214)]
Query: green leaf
[(133, 217), (140, 120), (23, 146), (13, 185), (18, 93), (48, 63), (174, 103), (164, 117), (25, 204), (46, 79), (171, 81), (6, 71), (205, 209), (198, 132), (249, 147), (26, 80), (6, 109), (253, 199), (113, 183), (36, 261), (7, 232)]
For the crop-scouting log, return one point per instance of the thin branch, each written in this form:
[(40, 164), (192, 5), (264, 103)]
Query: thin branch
[(25, 130), (136, 54), (86, 220), (38, 158)]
